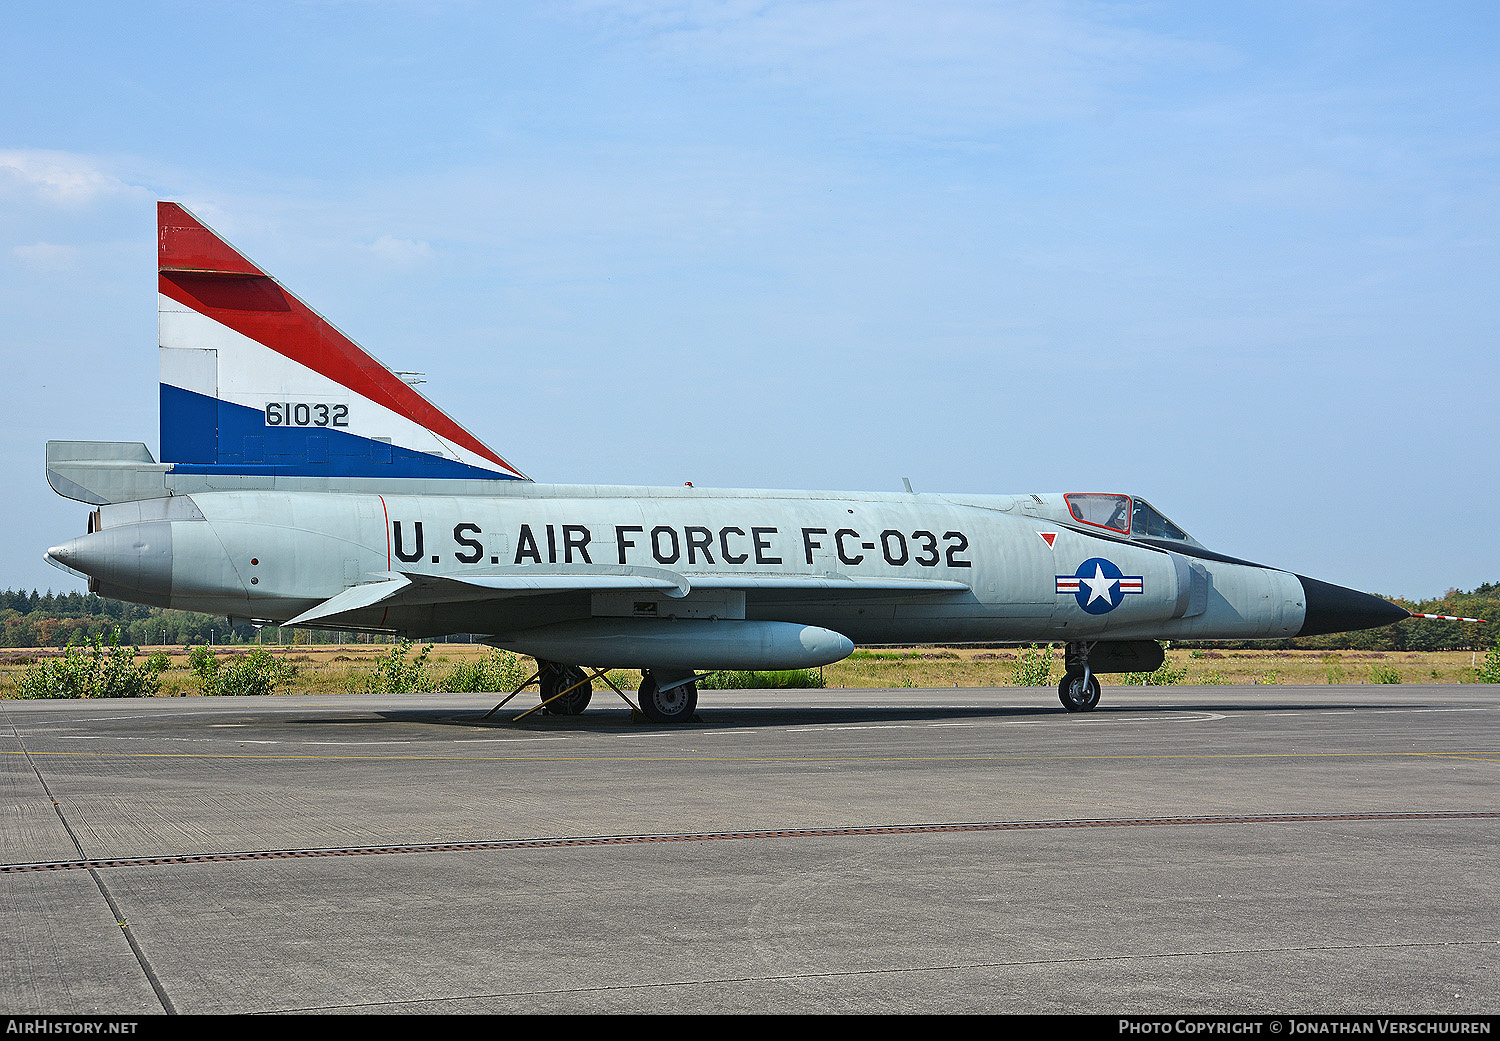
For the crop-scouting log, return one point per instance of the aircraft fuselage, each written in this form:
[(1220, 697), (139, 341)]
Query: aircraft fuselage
[(976, 571)]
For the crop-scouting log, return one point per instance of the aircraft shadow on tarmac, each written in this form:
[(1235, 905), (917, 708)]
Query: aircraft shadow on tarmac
[(606, 718)]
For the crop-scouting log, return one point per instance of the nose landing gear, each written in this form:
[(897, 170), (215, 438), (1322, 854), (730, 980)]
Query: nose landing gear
[(1079, 689)]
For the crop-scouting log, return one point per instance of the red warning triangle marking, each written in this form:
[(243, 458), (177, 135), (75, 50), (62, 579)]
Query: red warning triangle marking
[(1049, 537)]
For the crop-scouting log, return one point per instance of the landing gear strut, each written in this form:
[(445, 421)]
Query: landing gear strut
[(669, 702), (1079, 689)]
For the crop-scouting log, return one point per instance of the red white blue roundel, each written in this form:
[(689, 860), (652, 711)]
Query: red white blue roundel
[(1099, 586)]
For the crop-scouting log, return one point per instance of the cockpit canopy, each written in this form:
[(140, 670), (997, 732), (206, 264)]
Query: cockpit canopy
[(1124, 515)]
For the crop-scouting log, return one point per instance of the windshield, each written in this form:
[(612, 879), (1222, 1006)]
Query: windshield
[(1147, 521)]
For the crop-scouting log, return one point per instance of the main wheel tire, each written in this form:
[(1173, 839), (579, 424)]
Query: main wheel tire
[(557, 677), (676, 705), (1075, 694)]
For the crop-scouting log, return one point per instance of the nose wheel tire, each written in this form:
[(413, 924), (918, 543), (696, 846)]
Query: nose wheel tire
[(1077, 695), (675, 705), (556, 678)]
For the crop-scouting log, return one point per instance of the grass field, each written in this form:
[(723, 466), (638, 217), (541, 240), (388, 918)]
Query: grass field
[(336, 670)]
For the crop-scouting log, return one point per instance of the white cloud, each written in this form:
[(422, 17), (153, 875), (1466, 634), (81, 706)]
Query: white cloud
[(61, 177)]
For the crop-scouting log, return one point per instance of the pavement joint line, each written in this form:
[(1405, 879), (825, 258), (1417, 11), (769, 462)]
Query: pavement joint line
[(559, 842), (157, 987)]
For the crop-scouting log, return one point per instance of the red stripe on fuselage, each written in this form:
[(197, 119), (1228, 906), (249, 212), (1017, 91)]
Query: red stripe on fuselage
[(386, 512)]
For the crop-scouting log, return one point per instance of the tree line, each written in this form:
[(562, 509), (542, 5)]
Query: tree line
[(56, 619)]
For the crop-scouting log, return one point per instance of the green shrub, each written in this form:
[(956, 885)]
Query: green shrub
[(1033, 667), (1164, 675), (201, 662), (1489, 671), (498, 671), (255, 672), (788, 679), (95, 670), (1384, 674), (394, 674)]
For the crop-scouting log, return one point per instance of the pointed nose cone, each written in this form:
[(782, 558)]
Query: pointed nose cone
[(73, 556), (133, 558), (1337, 609)]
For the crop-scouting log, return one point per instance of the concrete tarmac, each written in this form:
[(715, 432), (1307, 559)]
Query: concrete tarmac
[(1185, 849)]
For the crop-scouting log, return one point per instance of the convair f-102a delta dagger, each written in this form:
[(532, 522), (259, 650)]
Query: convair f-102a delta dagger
[(303, 483)]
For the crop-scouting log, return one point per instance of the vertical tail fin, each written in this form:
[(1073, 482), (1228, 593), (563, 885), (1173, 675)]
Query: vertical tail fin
[(255, 381)]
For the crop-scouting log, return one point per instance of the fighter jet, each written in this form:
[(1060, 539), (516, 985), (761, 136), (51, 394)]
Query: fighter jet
[(303, 483)]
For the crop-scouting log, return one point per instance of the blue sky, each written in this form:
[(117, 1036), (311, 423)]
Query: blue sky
[(1240, 259)]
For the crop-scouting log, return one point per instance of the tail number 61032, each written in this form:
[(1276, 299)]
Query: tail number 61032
[(305, 414)]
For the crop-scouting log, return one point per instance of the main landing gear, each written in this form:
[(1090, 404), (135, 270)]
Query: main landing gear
[(569, 681), (667, 697)]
